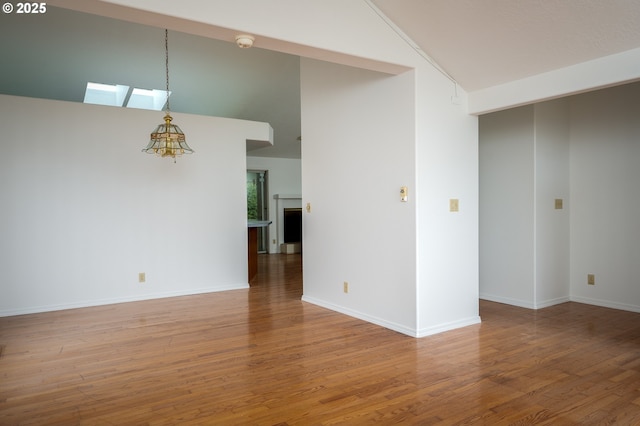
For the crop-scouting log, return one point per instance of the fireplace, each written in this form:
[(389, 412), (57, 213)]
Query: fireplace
[(289, 223), (292, 225)]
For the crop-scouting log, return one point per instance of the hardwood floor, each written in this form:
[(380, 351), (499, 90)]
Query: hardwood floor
[(263, 357)]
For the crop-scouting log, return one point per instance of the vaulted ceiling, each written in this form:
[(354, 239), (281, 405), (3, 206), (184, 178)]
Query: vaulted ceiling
[(479, 43), (484, 43), (53, 56)]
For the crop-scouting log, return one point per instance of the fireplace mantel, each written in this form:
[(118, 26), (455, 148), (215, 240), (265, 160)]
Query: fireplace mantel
[(287, 197), (282, 201)]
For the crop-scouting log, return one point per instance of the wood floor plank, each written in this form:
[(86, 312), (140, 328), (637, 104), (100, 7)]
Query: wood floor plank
[(263, 357)]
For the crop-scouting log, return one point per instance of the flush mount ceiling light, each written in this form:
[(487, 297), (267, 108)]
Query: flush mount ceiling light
[(245, 41), (167, 140)]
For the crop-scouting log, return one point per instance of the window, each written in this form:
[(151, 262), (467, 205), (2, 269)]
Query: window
[(105, 94), (116, 95)]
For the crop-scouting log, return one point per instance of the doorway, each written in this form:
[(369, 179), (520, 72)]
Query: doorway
[(257, 204)]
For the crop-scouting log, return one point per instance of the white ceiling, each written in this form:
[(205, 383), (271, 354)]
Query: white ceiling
[(484, 43), (54, 55), (480, 43)]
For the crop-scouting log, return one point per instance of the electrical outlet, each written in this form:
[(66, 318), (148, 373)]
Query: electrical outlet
[(453, 205), (345, 287), (558, 204), (591, 279), (142, 277)]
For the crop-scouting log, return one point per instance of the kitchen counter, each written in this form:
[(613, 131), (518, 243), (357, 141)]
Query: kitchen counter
[(252, 245)]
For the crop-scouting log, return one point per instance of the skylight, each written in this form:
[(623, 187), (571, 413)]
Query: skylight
[(105, 94), (147, 99), (116, 95)]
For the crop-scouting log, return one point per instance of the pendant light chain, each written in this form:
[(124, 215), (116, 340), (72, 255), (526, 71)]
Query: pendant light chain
[(166, 62), (167, 140)]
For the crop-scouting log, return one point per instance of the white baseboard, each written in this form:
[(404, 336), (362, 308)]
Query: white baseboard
[(507, 301), (524, 303), (441, 328), (368, 318), (552, 302), (557, 301), (391, 325), (111, 301), (606, 304)]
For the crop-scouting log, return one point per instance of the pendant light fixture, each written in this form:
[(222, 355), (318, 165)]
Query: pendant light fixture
[(167, 140)]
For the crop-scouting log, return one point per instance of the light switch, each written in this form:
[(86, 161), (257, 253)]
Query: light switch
[(453, 205), (558, 203), (308, 207)]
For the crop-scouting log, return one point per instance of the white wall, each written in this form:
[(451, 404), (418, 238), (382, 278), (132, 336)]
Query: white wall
[(507, 206), (524, 239), (357, 37), (447, 242), (364, 136), (284, 177), (552, 252), (358, 149), (84, 210), (605, 197), (411, 266), (584, 150)]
